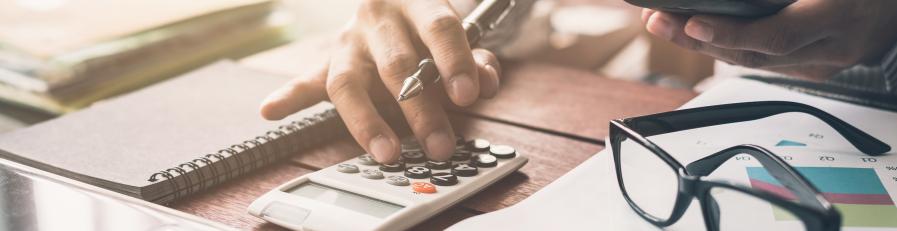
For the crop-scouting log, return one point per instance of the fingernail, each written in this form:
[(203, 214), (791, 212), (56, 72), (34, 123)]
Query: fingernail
[(699, 30), (646, 14), (491, 70), (382, 149), (462, 88), (660, 26), (439, 145)]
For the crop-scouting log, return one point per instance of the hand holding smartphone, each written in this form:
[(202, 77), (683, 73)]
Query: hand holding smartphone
[(741, 8)]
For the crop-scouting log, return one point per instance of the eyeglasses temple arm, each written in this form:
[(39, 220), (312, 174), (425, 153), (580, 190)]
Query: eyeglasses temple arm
[(784, 173), (738, 112)]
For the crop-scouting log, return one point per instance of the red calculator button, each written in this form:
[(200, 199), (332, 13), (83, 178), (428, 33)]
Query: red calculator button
[(423, 187)]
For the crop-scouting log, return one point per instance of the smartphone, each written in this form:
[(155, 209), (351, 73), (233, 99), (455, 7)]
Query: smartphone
[(740, 8)]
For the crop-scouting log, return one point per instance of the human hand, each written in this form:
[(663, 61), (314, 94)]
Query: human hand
[(368, 62), (810, 38)]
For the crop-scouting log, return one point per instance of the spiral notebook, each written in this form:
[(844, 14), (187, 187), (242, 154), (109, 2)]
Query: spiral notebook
[(174, 138)]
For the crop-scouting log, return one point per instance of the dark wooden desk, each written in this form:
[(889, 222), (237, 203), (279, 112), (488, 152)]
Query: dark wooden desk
[(557, 116)]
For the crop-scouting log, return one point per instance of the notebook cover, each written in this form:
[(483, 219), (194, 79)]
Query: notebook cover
[(118, 144)]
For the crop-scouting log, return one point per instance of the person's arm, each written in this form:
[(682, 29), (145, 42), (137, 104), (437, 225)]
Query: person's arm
[(810, 38)]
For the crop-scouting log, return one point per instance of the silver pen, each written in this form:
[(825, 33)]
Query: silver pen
[(485, 17)]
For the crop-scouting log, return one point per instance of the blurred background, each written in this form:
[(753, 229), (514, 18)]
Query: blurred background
[(58, 56)]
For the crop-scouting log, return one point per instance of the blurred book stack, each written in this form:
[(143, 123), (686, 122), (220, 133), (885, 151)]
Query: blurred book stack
[(61, 55)]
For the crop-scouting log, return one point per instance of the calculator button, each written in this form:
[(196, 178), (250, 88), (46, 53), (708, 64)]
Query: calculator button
[(414, 157), (460, 143), (417, 172), (397, 167), (444, 179), (411, 147), (423, 187), (461, 155), (347, 168), (398, 180), (373, 174), (464, 169), (367, 159), (410, 144), (502, 151), (484, 161), (478, 145), (438, 165)]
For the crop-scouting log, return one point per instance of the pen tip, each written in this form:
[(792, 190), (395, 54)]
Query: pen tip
[(402, 98)]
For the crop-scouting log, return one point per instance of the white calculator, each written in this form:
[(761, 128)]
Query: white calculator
[(361, 194)]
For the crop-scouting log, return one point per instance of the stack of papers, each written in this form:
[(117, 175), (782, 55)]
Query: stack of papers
[(58, 56)]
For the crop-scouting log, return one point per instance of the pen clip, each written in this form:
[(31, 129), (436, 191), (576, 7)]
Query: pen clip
[(504, 14)]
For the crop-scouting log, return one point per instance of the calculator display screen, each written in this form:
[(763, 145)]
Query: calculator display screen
[(345, 199)]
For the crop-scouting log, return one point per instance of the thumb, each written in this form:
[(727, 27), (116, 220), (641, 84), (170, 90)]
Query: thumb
[(298, 94)]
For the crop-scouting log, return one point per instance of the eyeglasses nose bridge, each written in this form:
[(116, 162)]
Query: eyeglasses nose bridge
[(688, 183)]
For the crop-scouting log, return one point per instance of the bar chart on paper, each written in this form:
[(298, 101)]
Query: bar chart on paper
[(858, 193), (861, 187)]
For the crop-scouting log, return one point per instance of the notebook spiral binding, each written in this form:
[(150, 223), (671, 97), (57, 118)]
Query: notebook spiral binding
[(285, 139)]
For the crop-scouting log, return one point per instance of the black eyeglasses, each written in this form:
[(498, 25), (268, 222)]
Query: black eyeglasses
[(660, 189)]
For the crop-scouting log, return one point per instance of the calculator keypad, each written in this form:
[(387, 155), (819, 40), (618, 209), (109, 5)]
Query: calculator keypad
[(423, 175)]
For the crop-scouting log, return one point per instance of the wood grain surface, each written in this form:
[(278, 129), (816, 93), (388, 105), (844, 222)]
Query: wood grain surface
[(571, 101)]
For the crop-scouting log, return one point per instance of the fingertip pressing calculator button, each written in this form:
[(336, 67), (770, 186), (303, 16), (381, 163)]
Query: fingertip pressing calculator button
[(367, 159), (464, 169), (444, 179), (373, 174), (478, 145), (397, 167), (414, 157), (484, 160), (461, 155), (438, 165), (347, 168), (417, 172), (503, 151), (410, 144), (411, 148), (398, 180), (409, 140), (423, 187)]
